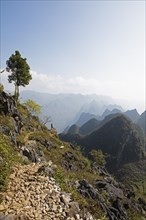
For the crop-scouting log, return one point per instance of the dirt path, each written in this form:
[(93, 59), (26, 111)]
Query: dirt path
[(33, 196)]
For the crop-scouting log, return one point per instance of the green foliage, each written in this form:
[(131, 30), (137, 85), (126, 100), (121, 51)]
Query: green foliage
[(1, 88), (48, 142), (63, 180), (21, 138), (133, 175), (41, 136), (19, 71), (29, 121), (66, 181), (135, 216), (98, 157), (32, 107), (6, 124), (8, 157)]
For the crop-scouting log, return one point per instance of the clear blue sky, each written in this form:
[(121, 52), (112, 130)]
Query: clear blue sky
[(79, 46)]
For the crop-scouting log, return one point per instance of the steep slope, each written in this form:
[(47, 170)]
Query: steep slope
[(119, 138), (89, 126), (116, 136), (86, 128), (109, 112), (132, 114), (84, 117), (141, 121), (74, 129), (93, 191)]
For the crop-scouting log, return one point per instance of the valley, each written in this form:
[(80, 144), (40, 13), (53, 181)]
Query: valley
[(109, 184)]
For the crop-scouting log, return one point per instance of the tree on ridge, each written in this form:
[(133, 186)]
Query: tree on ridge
[(19, 71)]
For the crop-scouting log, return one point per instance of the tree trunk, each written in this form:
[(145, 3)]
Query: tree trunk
[(16, 94)]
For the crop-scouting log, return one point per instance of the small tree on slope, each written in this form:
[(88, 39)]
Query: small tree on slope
[(32, 107), (19, 71)]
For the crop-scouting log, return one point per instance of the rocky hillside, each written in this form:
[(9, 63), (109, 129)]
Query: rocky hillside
[(141, 121), (123, 144), (69, 187)]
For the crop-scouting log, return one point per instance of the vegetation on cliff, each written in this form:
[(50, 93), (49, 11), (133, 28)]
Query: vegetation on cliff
[(24, 139)]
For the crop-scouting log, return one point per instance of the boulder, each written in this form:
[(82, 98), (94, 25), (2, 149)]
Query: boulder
[(30, 154)]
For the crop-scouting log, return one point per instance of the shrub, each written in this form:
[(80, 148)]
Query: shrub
[(8, 157), (1, 88), (98, 157)]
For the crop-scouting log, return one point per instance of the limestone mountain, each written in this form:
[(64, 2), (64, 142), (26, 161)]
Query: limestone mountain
[(89, 126), (119, 138), (132, 114), (109, 112), (42, 177), (84, 117), (85, 129), (74, 129), (141, 121)]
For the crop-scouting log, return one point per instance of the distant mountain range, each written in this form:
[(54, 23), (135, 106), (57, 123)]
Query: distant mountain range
[(65, 109), (91, 122)]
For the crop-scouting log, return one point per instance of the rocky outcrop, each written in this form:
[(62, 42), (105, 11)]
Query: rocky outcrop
[(33, 194), (119, 198), (8, 104), (8, 107), (32, 151)]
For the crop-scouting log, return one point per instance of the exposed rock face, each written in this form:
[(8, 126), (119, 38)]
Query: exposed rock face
[(8, 107), (32, 152), (121, 199), (8, 104), (33, 194), (116, 212)]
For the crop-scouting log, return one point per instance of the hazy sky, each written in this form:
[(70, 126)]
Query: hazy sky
[(78, 46)]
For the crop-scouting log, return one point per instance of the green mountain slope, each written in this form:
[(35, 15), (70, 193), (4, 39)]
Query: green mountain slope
[(141, 121), (94, 192), (118, 138), (89, 126)]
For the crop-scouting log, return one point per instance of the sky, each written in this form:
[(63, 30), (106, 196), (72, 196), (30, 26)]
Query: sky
[(78, 46)]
